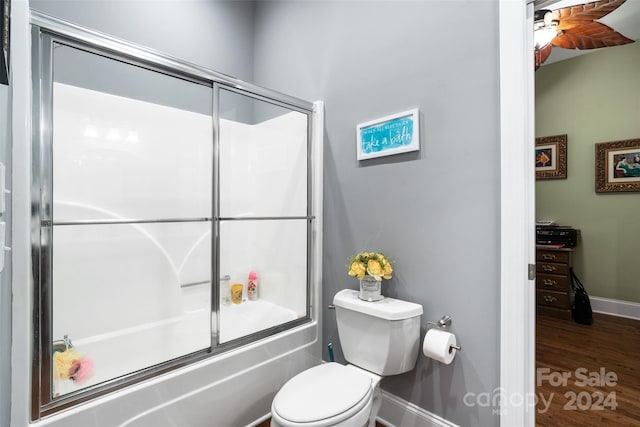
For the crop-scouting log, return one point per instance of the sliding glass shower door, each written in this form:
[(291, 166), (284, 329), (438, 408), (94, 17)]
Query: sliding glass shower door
[(264, 213), (172, 217), (129, 223)]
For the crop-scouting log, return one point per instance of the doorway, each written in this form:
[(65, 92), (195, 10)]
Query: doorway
[(589, 99)]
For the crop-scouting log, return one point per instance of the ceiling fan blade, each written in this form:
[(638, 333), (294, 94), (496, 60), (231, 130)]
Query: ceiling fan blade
[(589, 35), (577, 29), (541, 55), (571, 16)]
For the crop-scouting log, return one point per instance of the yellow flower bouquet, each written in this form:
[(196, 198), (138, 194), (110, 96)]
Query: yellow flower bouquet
[(370, 263)]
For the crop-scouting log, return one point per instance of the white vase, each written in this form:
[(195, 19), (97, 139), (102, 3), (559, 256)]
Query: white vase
[(370, 289)]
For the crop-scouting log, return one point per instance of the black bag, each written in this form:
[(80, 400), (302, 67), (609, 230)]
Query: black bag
[(581, 307)]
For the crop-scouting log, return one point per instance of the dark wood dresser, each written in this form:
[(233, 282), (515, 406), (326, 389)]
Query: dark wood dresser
[(553, 282)]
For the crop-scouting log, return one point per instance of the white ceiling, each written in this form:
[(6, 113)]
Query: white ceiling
[(625, 20)]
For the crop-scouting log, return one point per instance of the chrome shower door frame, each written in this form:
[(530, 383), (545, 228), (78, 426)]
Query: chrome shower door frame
[(46, 33)]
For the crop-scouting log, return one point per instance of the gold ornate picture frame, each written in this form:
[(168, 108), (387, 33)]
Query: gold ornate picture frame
[(551, 157), (618, 166)]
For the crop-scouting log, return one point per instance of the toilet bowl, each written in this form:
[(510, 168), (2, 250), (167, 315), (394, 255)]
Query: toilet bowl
[(327, 395), (378, 339)]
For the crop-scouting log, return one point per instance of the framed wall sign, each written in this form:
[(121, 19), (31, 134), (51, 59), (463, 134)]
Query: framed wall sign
[(551, 157), (618, 166), (4, 41), (397, 133)]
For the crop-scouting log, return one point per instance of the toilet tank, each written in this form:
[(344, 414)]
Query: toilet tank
[(382, 336)]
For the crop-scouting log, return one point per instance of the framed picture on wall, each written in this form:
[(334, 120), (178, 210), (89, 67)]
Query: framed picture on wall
[(618, 166), (4, 41), (397, 133), (551, 157)]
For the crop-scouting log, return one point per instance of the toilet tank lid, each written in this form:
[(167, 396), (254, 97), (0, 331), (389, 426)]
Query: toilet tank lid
[(387, 308)]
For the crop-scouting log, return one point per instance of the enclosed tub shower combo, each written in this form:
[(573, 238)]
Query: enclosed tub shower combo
[(158, 188)]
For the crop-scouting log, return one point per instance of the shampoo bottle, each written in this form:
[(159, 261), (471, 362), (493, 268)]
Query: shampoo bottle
[(225, 290), (252, 286)]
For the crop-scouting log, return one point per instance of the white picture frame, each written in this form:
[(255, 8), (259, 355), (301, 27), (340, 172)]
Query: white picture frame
[(393, 134)]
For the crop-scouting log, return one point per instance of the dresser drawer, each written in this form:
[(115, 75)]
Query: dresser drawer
[(552, 256), (550, 282), (552, 299), (552, 268), (559, 313)]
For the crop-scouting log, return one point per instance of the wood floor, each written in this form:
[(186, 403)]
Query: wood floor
[(588, 375)]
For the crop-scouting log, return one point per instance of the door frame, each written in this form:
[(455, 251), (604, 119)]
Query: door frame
[(517, 210)]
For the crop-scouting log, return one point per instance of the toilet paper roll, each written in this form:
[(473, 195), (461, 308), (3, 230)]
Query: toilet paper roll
[(437, 345)]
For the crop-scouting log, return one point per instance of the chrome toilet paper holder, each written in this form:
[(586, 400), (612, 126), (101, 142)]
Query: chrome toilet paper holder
[(444, 323)]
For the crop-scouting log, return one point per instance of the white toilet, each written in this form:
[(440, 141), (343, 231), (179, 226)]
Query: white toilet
[(378, 339)]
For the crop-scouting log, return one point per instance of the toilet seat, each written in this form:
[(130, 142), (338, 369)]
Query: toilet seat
[(322, 396)]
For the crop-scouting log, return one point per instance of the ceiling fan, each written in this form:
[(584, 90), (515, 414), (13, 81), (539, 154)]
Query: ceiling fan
[(575, 27)]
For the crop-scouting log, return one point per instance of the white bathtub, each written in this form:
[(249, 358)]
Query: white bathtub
[(238, 320), (112, 356), (232, 389)]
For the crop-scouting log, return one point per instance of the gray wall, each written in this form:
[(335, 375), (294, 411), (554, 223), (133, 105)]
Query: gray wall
[(217, 34), (5, 276), (436, 212)]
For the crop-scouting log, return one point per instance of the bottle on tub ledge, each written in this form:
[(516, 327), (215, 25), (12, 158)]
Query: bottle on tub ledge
[(225, 290), (252, 286)]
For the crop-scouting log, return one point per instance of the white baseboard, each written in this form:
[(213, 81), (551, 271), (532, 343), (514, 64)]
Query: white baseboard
[(615, 307), (397, 412)]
